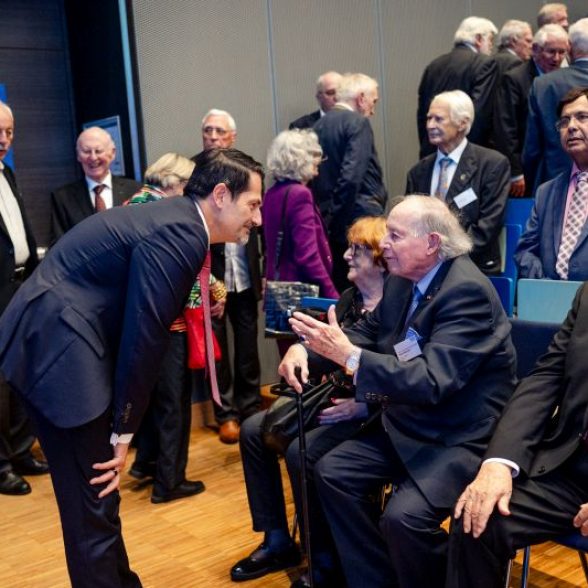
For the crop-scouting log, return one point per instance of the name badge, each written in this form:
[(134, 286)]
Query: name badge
[(465, 198), (407, 349)]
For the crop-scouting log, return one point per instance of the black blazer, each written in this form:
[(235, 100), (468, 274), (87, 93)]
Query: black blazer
[(88, 330), (440, 408), (487, 172), (505, 60), (460, 69), (71, 203), (528, 432), (510, 113), (7, 285), (305, 122)]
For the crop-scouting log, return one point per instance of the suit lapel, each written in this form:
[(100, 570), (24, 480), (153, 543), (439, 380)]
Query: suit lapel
[(12, 183), (559, 208), (466, 168)]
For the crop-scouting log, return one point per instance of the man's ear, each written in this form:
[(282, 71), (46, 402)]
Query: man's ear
[(433, 242), (220, 195)]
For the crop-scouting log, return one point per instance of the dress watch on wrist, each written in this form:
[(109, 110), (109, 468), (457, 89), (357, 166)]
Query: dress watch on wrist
[(352, 361)]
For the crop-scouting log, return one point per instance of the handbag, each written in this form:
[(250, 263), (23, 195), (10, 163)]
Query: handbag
[(195, 336), (280, 423), (282, 297)]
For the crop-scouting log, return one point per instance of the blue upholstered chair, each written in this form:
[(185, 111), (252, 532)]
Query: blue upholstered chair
[(518, 211), (545, 300)]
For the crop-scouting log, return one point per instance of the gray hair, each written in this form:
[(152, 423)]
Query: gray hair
[(354, 84), (7, 108), (471, 27), (169, 170), (292, 155), (579, 37), (512, 30), (433, 216), (461, 107), (547, 11), (321, 79), (103, 134), (217, 112), (549, 30)]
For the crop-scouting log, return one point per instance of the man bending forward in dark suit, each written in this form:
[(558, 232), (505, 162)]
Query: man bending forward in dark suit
[(105, 297), (533, 486), (436, 353)]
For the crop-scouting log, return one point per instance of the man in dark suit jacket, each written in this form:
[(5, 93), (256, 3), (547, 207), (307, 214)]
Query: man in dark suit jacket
[(533, 484), (550, 46), (76, 201), (539, 251), (18, 258), (105, 297), (349, 183), (475, 182), (543, 156), (514, 43), (326, 95), (468, 67), (437, 354)]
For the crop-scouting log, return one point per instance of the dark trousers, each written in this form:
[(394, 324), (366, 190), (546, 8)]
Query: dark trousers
[(403, 546), (94, 547), (541, 509), (240, 394), (340, 266), (164, 435), (264, 482), (16, 438)]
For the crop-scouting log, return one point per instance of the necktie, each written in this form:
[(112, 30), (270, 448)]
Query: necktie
[(573, 225), (416, 298), (99, 204), (205, 293), (443, 183)]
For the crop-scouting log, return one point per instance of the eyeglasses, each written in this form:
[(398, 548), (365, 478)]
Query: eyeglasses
[(218, 130), (356, 250), (564, 121)]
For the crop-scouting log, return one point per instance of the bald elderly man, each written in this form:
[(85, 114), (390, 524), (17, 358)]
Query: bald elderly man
[(99, 190)]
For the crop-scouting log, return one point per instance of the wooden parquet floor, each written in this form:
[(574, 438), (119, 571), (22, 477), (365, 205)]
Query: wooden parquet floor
[(187, 543)]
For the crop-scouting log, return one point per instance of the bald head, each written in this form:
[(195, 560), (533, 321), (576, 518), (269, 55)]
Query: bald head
[(326, 90), (95, 150)]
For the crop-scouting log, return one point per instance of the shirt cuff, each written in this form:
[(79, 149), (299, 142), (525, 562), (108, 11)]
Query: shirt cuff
[(511, 464), (517, 178), (126, 438)]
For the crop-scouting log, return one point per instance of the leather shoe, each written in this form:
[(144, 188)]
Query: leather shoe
[(141, 470), (11, 483), (29, 466), (183, 490), (229, 432), (262, 561)]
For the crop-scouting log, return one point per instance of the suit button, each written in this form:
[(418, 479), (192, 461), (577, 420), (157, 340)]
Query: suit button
[(541, 470)]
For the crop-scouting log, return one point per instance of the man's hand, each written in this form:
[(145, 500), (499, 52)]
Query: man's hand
[(113, 466), (343, 409), (581, 519), (296, 357), (517, 188), (327, 340), (492, 486), (218, 308)]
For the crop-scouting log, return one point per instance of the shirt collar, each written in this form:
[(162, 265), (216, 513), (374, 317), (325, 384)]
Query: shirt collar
[(1, 165), (344, 106), (423, 284), (107, 181), (454, 155), (203, 221)]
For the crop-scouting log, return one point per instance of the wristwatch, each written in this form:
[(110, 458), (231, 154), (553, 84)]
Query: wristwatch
[(352, 361)]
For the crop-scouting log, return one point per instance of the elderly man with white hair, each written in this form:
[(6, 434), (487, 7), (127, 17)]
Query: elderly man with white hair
[(468, 67), (98, 191), (350, 183), (474, 181), (513, 45)]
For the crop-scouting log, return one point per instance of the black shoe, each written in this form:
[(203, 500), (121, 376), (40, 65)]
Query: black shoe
[(186, 488), (262, 561), (141, 470), (11, 483), (323, 578), (29, 466)]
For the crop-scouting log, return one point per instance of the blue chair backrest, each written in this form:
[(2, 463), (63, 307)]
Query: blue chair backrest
[(530, 340), (512, 234), (322, 303), (545, 300), (505, 288), (518, 211)]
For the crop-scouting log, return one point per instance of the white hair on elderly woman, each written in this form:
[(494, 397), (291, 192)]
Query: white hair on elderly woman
[(293, 155), (169, 170)]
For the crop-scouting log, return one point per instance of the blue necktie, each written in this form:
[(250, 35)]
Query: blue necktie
[(443, 184), (416, 298)]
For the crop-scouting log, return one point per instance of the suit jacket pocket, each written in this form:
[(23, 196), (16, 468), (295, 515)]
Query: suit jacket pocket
[(83, 328)]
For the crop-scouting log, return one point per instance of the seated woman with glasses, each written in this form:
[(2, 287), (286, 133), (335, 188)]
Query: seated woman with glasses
[(288, 206), (367, 271)]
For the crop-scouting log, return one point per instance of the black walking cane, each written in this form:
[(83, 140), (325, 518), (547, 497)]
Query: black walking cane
[(303, 475)]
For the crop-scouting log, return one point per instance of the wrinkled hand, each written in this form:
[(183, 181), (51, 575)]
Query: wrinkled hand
[(325, 339), (343, 409), (581, 519), (296, 357), (113, 468), (218, 308), (492, 486), (517, 188)]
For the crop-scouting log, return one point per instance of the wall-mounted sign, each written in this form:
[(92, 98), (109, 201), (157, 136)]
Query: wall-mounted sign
[(112, 125)]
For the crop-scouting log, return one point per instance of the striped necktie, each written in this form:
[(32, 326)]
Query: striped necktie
[(99, 204), (443, 184)]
